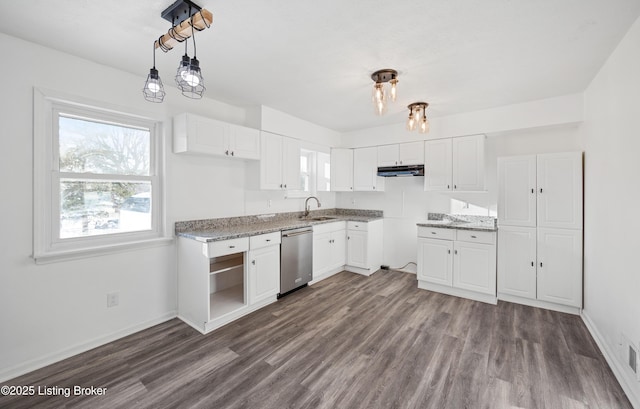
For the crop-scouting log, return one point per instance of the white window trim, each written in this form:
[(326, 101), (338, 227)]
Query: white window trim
[(47, 247), (300, 194)]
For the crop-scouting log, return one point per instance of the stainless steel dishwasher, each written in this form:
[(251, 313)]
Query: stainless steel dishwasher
[(295, 259)]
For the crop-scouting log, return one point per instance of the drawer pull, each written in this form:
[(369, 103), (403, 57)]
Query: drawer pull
[(232, 247), (268, 240), (473, 237), (532, 264), (448, 251), (433, 232), (455, 251)]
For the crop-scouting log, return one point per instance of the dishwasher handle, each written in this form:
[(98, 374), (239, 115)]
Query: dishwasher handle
[(298, 233)]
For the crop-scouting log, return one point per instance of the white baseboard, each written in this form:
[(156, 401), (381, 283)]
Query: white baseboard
[(326, 275), (37, 363), (539, 304), (458, 292), (629, 385)]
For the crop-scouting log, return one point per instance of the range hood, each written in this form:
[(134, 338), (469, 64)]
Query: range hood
[(407, 170)]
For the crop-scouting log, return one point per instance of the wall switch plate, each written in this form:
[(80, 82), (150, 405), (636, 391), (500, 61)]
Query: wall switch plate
[(113, 299)]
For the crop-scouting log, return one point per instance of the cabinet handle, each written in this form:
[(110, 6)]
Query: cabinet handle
[(533, 190), (280, 185), (253, 262), (348, 238), (285, 186), (448, 186), (268, 240), (448, 251), (374, 188), (455, 187), (232, 247), (473, 237), (532, 264), (226, 152), (540, 190), (351, 187), (433, 232), (401, 162), (455, 251), (232, 153), (541, 264)]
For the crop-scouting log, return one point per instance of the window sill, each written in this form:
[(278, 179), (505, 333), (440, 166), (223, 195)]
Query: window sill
[(67, 255)]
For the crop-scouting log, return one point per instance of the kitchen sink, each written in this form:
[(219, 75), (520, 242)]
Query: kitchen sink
[(319, 218)]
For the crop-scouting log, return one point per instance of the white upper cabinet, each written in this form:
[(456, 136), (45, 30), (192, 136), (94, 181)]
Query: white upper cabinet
[(365, 170), (279, 162), (437, 167), (388, 155), (411, 153), (468, 163), (517, 191), (200, 135), (559, 177), (543, 190), (341, 170)]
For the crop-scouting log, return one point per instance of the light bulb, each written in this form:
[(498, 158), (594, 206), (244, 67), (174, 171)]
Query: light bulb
[(394, 92), (378, 93), (424, 125), (411, 122), (153, 86), (381, 107), (190, 77)]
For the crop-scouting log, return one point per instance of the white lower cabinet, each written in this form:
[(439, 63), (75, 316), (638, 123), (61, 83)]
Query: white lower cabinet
[(541, 267), (329, 249), (458, 262), (221, 281), (364, 246), (264, 272)]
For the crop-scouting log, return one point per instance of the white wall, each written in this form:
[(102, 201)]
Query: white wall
[(405, 202), (612, 194), (52, 311)]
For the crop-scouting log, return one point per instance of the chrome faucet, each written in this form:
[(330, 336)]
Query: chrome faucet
[(306, 205)]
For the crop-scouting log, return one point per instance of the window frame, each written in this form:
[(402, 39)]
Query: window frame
[(47, 244)]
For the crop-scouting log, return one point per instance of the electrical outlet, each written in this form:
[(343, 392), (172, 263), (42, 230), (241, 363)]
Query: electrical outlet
[(113, 299), (629, 356)]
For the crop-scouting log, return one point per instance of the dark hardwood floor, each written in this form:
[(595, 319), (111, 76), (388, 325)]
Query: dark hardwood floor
[(348, 342)]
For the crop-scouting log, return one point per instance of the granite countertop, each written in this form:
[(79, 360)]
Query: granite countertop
[(235, 227), (463, 222)]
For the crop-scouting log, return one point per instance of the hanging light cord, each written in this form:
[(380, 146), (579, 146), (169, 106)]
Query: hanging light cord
[(194, 39)]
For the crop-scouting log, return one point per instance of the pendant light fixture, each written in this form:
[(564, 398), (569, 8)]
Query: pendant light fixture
[(418, 117), (153, 90), (185, 17), (189, 78), (380, 94)]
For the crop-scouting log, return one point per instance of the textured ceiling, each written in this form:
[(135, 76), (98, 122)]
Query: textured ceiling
[(313, 59)]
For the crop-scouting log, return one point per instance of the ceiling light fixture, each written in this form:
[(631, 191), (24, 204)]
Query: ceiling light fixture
[(418, 117), (153, 90), (186, 17), (379, 95)]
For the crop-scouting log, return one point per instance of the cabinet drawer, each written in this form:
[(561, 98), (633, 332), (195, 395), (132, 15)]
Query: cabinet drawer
[(224, 247), (264, 240), (361, 226), (436, 233), (485, 237), (329, 227)]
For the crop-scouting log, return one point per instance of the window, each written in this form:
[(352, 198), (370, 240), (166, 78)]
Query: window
[(314, 174), (97, 181)]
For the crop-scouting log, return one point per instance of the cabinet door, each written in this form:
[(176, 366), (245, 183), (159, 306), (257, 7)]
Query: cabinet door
[(435, 261), (291, 164), (560, 190), (411, 153), (517, 191), (341, 170), (264, 273), (357, 248), (205, 135), (517, 261), (244, 142), (270, 161), (365, 169), (437, 165), (321, 253), (560, 266), (338, 255), (468, 163), (388, 155), (474, 267)]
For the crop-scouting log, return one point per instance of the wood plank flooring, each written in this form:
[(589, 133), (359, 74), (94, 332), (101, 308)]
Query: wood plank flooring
[(348, 342)]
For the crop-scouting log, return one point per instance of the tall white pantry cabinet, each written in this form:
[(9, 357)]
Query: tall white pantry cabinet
[(540, 230)]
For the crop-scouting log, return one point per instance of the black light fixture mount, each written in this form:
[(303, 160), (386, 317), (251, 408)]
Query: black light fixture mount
[(180, 11)]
